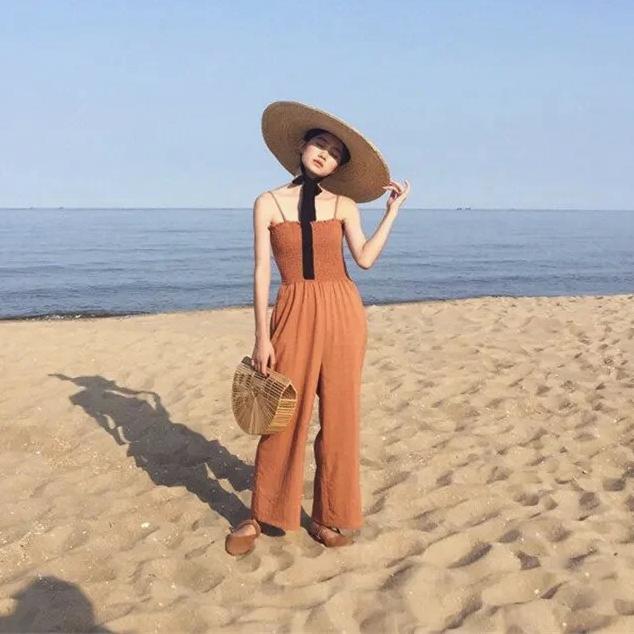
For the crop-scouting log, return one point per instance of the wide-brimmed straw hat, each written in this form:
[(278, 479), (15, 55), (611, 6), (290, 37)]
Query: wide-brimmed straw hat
[(362, 178)]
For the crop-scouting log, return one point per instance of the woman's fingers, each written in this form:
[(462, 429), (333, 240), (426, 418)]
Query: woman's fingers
[(396, 189), (404, 187), (395, 186)]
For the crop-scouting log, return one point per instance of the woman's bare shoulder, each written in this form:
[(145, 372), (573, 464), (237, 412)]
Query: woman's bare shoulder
[(279, 192), (347, 208), (347, 204), (346, 200)]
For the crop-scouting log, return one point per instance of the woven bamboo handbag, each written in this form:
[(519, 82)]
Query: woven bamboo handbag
[(261, 404)]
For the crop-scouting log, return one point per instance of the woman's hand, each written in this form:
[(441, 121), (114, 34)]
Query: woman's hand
[(398, 193), (263, 351)]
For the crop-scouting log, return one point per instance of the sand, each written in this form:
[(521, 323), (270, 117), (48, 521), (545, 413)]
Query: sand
[(497, 470)]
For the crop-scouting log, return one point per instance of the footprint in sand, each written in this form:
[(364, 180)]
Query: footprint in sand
[(455, 551), (521, 586), (527, 561), (613, 484), (526, 499), (510, 536), (624, 607)]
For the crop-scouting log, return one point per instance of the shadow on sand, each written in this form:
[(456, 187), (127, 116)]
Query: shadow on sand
[(49, 604), (170, 453)]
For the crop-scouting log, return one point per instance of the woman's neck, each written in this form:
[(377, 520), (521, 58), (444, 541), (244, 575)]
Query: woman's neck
[(308, 174)]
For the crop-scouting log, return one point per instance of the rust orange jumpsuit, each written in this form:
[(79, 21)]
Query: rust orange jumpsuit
[(318, 329)]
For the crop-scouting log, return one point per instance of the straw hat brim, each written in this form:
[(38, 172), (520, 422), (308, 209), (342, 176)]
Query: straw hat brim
[(362, 178)]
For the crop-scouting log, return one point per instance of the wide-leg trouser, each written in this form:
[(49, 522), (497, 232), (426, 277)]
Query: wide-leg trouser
[(319, 333)]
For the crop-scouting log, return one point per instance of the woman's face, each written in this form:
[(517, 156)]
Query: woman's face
[(322, 154)]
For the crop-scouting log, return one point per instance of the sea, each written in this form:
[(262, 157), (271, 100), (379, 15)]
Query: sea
[(74, 263)]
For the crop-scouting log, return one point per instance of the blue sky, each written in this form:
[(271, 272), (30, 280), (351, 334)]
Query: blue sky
[(481, 104)]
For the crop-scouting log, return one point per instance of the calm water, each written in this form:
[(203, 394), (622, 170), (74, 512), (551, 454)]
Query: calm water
[(100, 261)]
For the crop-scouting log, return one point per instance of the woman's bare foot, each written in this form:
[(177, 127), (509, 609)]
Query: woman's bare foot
[(241, 539), (330, 532), (330, 536), (249, 529)]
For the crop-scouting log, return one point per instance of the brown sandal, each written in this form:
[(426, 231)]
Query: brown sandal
[(242, 544), (318, 532)]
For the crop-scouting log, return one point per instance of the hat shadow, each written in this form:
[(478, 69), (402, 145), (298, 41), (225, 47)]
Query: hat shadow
[(169, 452), (50, 604)]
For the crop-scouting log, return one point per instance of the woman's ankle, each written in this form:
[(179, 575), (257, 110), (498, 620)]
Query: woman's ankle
[(332, 528)]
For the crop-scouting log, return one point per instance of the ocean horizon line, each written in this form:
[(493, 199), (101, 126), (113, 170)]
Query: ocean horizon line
[(106, 314)]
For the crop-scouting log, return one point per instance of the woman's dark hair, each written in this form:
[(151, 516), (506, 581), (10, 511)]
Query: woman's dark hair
[(313, 132)]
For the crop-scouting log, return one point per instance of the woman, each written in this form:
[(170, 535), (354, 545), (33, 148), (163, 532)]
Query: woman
[(318, 331)]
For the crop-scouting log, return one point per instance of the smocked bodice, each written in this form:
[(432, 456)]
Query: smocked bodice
[(327, 250)]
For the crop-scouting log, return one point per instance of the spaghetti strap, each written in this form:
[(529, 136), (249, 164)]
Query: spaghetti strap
[(336, 204), (278, 204)]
